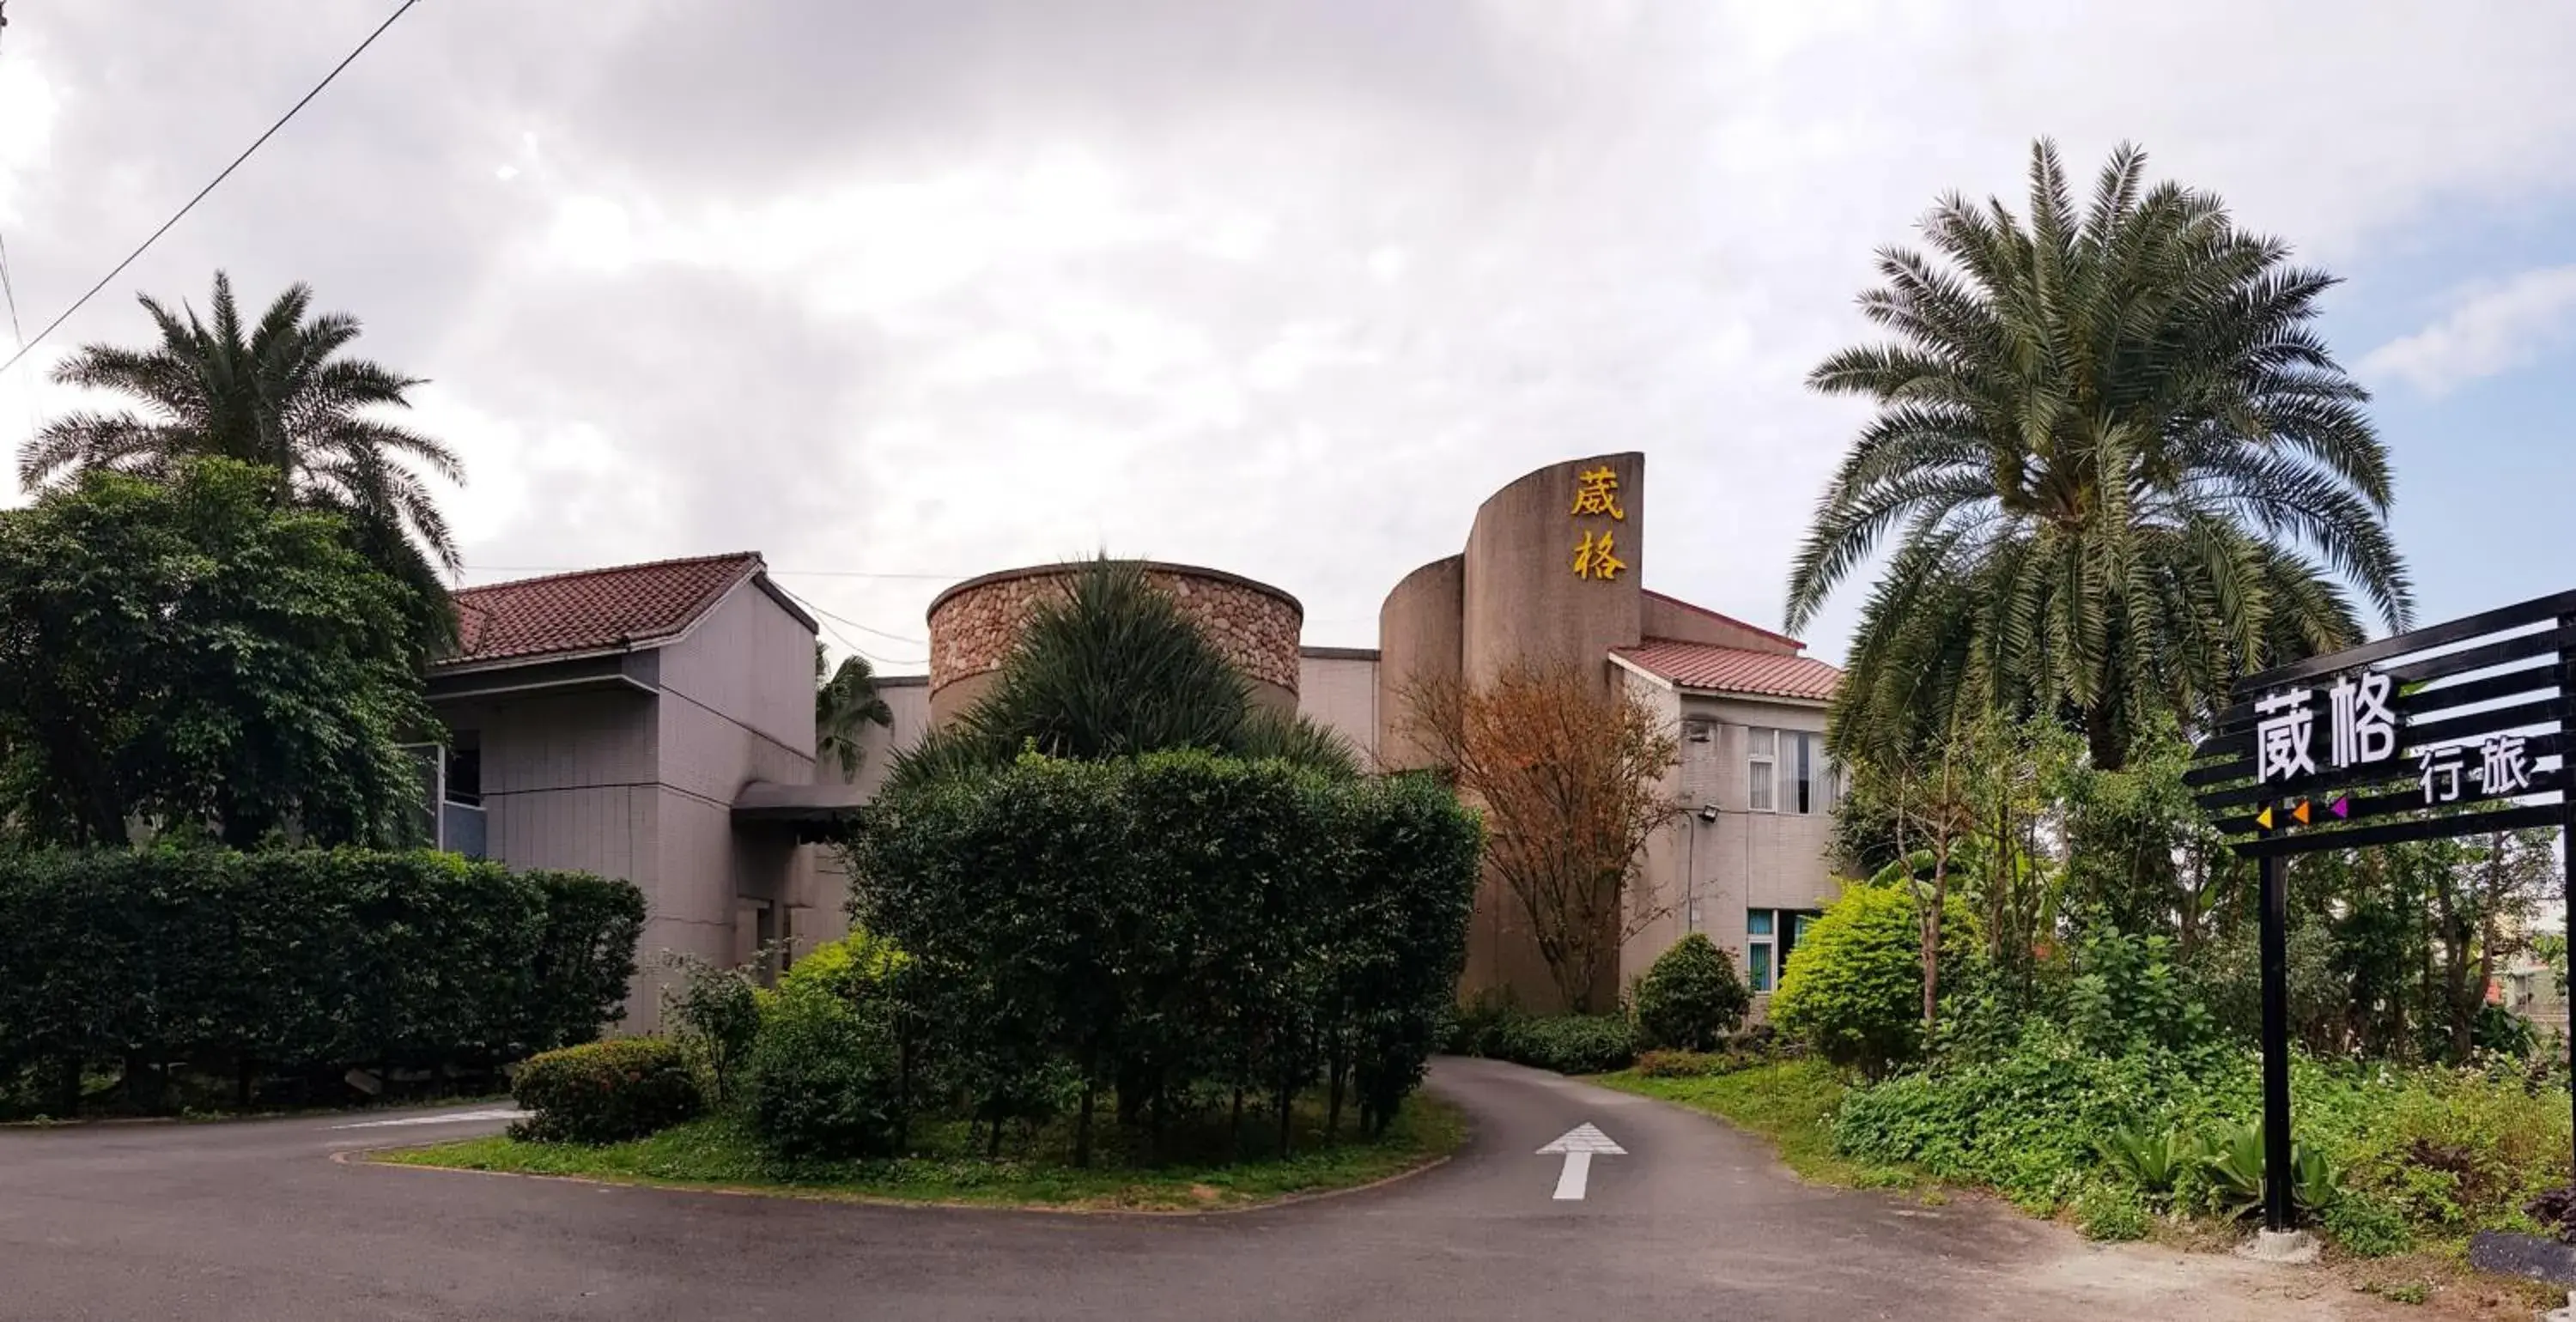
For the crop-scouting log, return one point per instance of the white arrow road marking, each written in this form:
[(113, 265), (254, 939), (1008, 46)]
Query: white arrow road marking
[(1579, 1144), (460, 1117)]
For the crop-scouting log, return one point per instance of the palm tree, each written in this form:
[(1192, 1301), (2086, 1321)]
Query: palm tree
[(274, 394), (2121, 467), (1112, 669), (845, 704)]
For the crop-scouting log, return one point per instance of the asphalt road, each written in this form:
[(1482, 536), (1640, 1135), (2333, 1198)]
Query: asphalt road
[(252, 1220)]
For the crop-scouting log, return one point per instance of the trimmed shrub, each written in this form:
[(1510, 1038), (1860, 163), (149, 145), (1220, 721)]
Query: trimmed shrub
[(1854, 989), (302, 963), (1691, 998), (1570, 1044), (2367, 1227), (605, 1092), (1173, 926), (824, 1082), (1685, 1064)]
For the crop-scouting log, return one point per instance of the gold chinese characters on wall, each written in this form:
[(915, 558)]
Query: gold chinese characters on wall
[(1596, 495)]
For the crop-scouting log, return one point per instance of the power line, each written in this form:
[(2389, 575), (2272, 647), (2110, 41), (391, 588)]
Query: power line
[(826, 618), (140, 249), (8, 286)]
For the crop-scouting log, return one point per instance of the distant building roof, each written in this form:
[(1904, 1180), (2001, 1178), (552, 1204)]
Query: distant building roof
[(1718, 669), (1722, 618), (596, 610)]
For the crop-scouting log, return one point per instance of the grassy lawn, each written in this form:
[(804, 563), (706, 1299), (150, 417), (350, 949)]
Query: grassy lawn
[(946, 1166), (1785, 1101)]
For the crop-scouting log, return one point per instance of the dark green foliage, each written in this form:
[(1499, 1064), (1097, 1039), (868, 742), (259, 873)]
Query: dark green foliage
[(2127, 994), (300, 963), (183, 653), (825, 1077), (1114, 669), (1691, 997), (276, 393), (1569, 1044), (1854, 992), (604, 1092), (1172, 928)]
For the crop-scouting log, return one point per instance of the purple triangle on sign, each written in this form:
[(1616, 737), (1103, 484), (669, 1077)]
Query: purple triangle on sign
[(2343, 805)]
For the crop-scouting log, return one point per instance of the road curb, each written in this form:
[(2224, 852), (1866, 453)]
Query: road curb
[(366, 1156)]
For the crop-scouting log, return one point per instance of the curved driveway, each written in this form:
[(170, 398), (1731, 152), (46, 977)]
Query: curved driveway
[(249, 1220)]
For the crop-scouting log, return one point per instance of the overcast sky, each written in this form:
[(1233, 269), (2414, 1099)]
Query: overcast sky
[(928, 289)]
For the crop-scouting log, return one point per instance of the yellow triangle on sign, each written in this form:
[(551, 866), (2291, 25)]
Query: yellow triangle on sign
[(2264, 819), (2301, 812)]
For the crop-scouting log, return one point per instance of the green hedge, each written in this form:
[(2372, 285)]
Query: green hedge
[(605, 1092), (300, 963), (1175, 927)]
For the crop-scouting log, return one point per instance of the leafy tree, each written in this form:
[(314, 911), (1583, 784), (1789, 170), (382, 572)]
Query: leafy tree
[(183, 654), (1113, 668), (846, 702), (2121, 466), (1690, 997), (279, 394), (1573, 778)]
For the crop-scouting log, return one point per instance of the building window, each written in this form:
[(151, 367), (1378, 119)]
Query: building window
[(1786, 771), (1771, 938)]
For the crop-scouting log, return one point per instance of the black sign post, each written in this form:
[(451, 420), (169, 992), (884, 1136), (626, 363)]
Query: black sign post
[(2458, 729)]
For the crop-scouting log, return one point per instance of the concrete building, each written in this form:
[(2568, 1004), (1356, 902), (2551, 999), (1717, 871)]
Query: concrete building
[(1552, 572), (627, 721), (655, 722)]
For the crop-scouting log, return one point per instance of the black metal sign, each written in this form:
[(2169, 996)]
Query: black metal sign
[(2453, 730), (2458, 729)]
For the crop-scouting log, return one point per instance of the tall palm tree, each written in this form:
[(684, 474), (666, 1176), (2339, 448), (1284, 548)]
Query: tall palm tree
[(2121, 467), (846, 702), (276, 393)]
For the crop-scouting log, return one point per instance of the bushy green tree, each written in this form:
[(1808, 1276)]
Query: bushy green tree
[(182, 654), (1690, 998), (1854, 989), (2120, 466), (278, 394)]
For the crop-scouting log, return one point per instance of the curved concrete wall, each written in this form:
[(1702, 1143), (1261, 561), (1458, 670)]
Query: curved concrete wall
[(1523, 600), (1418, 643), (974, 624)]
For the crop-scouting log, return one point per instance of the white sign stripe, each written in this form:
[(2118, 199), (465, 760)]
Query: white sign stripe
[(1577, 1172), (452, 1118)]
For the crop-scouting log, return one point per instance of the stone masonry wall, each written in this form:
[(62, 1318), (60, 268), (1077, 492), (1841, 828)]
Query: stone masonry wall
[(972, 630)]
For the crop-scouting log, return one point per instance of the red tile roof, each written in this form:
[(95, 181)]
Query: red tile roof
[(594, 609), (1734, 669)]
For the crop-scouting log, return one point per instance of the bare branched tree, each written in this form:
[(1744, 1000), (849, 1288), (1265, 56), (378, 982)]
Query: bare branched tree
[(1571, 781)]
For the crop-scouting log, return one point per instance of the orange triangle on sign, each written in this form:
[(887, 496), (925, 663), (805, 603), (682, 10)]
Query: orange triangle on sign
[(2264, 819), (2301, 812)]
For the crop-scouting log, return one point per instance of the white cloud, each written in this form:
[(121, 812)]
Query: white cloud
[(1284, 286), (2491, 329)]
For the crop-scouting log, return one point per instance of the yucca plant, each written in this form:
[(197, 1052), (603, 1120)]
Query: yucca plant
[(2151, 1161), (2234, 1165), (2120, 466)]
